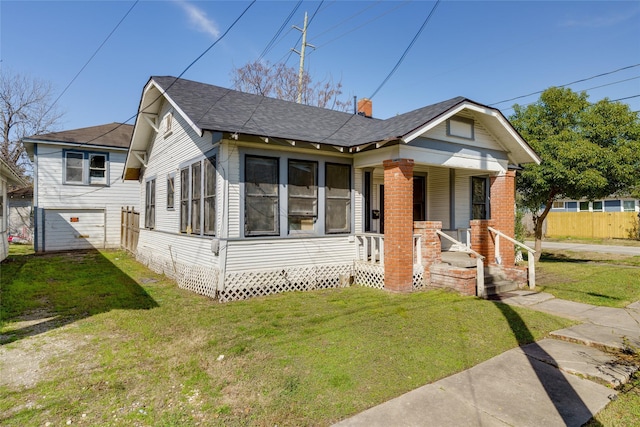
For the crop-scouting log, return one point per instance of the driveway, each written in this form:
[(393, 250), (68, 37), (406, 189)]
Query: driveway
[(584, 247)]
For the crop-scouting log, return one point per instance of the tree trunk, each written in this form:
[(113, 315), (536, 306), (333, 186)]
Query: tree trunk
[(538, 222)]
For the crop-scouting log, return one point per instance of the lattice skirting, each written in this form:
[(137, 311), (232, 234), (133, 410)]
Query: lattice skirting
[(368, 274), (249, 284), (196, 278), (372, 275)]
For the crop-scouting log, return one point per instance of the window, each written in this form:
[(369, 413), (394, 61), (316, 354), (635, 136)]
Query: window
[(261, 196), (150, 204), (629, 205), (198, 197), (597, 206), (171, 179), (337, 198), (184, 201), (303, 195), (86, 168), (583, 207), (210, 196), (460, 127), (557, 205), (419, 200), (479, 198)]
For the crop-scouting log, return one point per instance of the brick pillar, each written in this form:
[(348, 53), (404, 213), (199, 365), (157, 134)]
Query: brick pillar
[(431, 245), (503, 212), (398, 225), (481, 240)]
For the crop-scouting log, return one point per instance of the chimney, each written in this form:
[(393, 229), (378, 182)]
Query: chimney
[(365, 108)]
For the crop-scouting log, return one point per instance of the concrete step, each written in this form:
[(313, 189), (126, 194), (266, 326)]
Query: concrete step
[(498, 287), (458, 259)]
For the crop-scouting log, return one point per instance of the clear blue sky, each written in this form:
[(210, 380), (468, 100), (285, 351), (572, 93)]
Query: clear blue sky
[(488, 51)]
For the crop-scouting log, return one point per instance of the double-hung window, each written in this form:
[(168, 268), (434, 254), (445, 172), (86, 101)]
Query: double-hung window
[(150, 204), (479, 198), (198, 197), (171, 181), (337, 198), (302, 195), (85, 168), (261, 196)]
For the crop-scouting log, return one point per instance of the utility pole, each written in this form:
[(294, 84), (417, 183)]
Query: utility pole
[(301, 53)]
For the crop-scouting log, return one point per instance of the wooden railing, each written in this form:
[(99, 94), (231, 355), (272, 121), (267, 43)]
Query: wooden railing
[(479, 261), (370, 248), (530, 254)]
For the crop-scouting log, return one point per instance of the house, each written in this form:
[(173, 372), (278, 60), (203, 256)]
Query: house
[(607, 218), (78, 187), (7, 177), (20, 214), (243, 195)]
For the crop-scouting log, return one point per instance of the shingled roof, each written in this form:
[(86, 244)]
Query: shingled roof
[(116, 135), (215, 108)]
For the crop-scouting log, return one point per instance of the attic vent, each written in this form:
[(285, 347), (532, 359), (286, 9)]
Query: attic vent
[(460, 127), (167, 124)]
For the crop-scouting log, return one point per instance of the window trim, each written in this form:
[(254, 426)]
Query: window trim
[(588, 209), (150, 203), (86, 167), (187, 204), (277, 220), (592, 205), (298, 215), (463, 120), (562, 207), (349, 199), (167, 124)]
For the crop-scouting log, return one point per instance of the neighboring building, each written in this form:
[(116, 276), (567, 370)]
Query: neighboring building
[(609, 204), (243, 195), (78, 187), (20, 213), (7, 177)]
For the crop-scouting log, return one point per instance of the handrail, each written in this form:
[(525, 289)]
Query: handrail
[(530, 253), (522, 245), (479, 262), (451, 239)]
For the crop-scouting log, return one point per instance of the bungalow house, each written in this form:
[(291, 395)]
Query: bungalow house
[(78, 187), (243, 195), (7, 177)]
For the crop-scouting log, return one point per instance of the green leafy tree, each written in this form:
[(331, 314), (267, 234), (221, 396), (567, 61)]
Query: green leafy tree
[(587, 151)]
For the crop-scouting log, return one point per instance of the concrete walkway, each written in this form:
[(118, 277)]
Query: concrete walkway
[(553, 382), (584, 247)]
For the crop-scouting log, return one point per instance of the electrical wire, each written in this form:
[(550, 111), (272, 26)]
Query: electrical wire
[(404, 54), (569, 84), (91, 57), (277, 34)]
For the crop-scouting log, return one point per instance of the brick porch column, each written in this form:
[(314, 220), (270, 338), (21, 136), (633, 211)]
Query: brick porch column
[(481, 240), (431, 245), (398, 225), (503, 212)]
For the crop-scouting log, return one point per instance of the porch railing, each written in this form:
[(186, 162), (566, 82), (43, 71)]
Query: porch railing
[(479, 261), (370, 248), (530, 254)]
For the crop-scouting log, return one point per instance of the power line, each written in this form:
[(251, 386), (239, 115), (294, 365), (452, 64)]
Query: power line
[(277, 34), (92, 56), (404, 54), (569, 84)]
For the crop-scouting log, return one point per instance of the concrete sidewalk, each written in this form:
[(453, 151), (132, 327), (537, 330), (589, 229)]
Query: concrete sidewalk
[(586, 247), (544, 383)]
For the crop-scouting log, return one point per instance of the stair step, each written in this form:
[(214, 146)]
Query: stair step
[(458, 259)]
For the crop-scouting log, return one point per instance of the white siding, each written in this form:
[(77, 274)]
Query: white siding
[(53, 194), (359, 199), (482, 137), (257, 254), (232, 170), (438, 200), (177, 248), (73, 229), (463, 197)]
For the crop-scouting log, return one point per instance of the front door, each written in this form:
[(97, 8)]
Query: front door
[(419, 201)]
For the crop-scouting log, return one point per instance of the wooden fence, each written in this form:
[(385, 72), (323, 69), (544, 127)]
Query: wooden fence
[(597, 225), (129, 228)]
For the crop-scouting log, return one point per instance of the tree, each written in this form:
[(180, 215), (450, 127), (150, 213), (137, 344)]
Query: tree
[(280, 81), (587, 150), (26, 111)]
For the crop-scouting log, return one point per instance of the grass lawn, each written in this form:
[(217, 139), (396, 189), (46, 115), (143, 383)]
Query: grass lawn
[(591, 278), (124, 346)]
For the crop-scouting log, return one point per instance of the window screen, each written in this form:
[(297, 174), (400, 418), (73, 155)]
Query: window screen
[(261, 196), (338, 198)]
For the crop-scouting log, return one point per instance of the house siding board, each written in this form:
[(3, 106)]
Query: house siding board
[(359, 200), (62, 233), (177, 248), (261, 254), (232, 169), (53, 194), (463, 197), (438, 200)]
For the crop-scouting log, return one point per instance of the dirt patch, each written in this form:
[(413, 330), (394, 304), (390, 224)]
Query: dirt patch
[(24, 363)]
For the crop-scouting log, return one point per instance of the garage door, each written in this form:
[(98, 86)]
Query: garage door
[(73, 229)]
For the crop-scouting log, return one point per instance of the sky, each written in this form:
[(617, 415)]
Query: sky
[(487, 51)]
